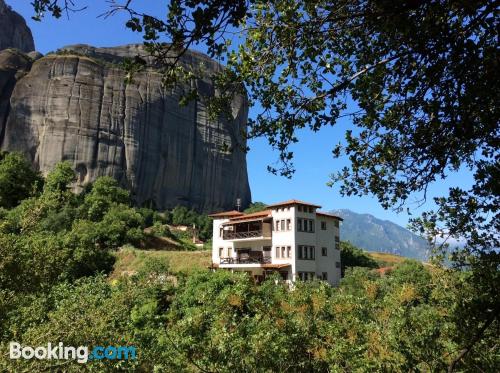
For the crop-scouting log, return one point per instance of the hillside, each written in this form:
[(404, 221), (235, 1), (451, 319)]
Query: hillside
[(372, 234)]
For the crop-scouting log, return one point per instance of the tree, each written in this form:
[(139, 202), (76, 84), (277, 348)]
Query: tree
[(422, 76), (105, 193), (352, 256), (255, 207), (17, 180)]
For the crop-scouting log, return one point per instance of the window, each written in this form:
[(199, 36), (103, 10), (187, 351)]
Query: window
[(277, 225), (336, 222), (311, 210), (337, 239), (305, 276), (305, 252), (230, 252), (337, 264), (277, 252), (283, 253), (282, 225), (266, 248), (324, 251), (300, 208), (323, 225), (311, 226), (299, 225), (324, 276), (221, 231), (221, 252), (288, 225)]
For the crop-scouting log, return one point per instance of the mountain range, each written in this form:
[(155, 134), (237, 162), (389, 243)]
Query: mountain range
[(373, 234)]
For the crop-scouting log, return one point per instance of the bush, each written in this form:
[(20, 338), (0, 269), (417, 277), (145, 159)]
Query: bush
[(352, 256), (18, 181)]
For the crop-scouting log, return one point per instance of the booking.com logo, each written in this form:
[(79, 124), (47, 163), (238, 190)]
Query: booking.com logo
[(81, 354)]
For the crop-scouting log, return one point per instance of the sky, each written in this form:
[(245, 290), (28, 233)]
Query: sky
[(313, 158)]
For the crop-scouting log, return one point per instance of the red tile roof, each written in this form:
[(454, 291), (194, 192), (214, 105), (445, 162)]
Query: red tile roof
[(328, 215), (292, 202), (254, 215), (228, 214)]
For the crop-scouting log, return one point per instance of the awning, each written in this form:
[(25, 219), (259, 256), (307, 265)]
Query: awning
[(276, 266), (250, 220)]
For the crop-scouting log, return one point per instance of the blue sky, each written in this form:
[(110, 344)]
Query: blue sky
[(313, 159)]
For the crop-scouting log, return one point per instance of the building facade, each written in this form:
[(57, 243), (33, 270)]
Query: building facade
[(292, 238)]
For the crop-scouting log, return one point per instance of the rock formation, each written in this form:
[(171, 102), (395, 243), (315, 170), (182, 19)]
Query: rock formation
[(14, 33), (75, 105)]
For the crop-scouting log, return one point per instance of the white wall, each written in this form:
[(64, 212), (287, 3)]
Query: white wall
[(326, 238), (217, 241)]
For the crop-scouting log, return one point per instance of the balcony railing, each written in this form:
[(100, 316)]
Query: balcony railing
[(228, 235), (245, 260)]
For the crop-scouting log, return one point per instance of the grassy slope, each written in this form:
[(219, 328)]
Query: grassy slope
[(130, 260)]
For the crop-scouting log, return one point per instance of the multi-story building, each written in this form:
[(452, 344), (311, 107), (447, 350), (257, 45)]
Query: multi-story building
[(290, 237)]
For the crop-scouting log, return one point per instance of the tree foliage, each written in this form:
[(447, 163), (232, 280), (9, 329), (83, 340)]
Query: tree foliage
[(18, 180), (422, 79), (352, 256)]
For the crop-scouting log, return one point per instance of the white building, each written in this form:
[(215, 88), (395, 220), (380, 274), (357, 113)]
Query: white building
[(290, 237)]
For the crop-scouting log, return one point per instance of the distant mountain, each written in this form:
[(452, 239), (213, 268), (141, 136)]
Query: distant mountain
[(370, 233)]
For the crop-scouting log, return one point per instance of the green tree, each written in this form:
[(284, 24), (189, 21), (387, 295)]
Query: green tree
[(105, 193), (255, 207), (422, 76), (18, 181), (352, 256)]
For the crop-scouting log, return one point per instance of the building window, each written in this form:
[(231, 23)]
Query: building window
[(300, 208), (277, 225), (311, 226), (324, 251), (306, 252), (323, 225), (221, 231), (221, 252), (337, 264), (336, 222), (277, 252), (230, 252), (306, 276), (282, 225), (289, 251), (288, 225), (283, 253), (311, 210), (324, 276), (337, 239), (299, 225)]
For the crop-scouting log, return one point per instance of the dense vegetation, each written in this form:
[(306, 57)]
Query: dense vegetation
[(422, 77), (57, 250)]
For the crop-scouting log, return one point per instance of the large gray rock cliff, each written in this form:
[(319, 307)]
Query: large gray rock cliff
[(75, 105), (14, 33)]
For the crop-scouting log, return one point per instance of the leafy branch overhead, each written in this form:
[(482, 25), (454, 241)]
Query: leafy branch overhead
[(417, 78)]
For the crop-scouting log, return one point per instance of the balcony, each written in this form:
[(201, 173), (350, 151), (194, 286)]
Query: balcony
[(247, 260), (247, 230), (229, 235)]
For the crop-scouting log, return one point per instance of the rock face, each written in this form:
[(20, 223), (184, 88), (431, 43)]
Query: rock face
[(14, 33), (75, 106)]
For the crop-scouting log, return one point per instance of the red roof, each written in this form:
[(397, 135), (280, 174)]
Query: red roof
[(292, 202), (254, 215), (328, 215), (228, 214)]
